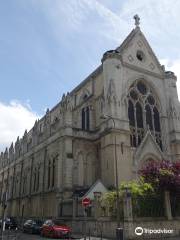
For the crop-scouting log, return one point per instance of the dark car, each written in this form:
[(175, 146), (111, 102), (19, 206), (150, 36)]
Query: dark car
[(32, 226), (10, 223), (55, 229)]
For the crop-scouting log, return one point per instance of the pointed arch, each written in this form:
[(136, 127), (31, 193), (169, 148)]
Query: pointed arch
[(143, 112)]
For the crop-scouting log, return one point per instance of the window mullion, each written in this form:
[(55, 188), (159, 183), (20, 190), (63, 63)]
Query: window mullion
[(144, 119), (152, 113)]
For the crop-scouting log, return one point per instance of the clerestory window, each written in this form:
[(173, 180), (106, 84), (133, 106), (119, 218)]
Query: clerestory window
[(143, 113)]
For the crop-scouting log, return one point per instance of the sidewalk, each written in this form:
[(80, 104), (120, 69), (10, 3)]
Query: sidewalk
[(80, 237)]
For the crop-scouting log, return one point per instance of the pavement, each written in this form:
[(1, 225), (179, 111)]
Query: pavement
[(12, 235)]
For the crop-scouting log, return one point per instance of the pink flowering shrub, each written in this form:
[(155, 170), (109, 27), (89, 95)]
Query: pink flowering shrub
[(162, 175)]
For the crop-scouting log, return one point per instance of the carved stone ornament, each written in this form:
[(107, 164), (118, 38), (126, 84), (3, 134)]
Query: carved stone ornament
[(111, 94), (55, 120), (47, 119), (139, 43), (35, 127), (137, 20), (25, 135), (130, 58), (66, 103), (101, 103), (69, 105), (174, 110), (11, 149), (152, 67), (6, 154)]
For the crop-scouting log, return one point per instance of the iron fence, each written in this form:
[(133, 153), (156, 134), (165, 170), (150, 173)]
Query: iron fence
[(175, 204), (111, 211), (151, 206)]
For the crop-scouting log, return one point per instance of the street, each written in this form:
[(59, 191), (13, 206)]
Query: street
[(13, 235)]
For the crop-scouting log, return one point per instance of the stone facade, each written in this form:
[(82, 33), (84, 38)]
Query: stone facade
[(73, 145)]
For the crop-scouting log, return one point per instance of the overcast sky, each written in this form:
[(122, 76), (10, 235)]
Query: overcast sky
[(47, 47)]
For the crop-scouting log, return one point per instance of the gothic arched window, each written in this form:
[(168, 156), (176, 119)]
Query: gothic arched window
[(53, 171), (143, 113), (85, 116), (49, 174)]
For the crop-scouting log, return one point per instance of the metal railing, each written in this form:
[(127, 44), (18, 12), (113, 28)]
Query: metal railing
[(175, 204), (151, 206)]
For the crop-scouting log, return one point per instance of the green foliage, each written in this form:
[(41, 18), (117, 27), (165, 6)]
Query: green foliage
[(137, 188), (109, 199)]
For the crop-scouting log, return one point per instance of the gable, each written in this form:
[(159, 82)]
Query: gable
[(136, 51), (146, 149), (96, 187)]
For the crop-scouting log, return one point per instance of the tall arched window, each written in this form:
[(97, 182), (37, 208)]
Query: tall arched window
[(49, 175), (143, 113), (85, 116), (38, 177), (53, 171), (35, 180)]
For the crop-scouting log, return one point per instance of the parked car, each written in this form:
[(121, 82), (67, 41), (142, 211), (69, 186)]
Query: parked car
[(32, 226), (55, 229), (10, 223)]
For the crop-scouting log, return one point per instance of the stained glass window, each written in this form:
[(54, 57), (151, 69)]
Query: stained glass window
[(143, 113)]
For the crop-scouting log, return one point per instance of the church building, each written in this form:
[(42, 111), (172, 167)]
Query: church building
[(122, 115)]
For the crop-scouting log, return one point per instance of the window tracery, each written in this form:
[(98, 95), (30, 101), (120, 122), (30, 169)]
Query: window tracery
[(143, 113)]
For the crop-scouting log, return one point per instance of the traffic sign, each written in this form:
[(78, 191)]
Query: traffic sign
[(86, 202)]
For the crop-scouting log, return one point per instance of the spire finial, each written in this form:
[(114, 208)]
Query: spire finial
[(137, 20)]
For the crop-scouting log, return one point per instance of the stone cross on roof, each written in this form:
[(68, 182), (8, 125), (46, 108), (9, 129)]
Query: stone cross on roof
[(137, 20)]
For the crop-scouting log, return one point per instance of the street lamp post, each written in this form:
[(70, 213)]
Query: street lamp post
[(116, 170)]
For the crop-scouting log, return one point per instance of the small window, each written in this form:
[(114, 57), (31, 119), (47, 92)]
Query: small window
[(83, 116), (140, 56)]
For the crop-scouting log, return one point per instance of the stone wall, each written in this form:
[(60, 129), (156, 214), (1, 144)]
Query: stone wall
[(107, 228)]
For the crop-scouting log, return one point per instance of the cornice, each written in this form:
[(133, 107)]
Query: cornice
[(142, 70)]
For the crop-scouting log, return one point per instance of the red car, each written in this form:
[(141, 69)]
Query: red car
[(55, 229)]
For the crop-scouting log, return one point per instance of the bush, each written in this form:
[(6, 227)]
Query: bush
[(137, 188), (162, 175)]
